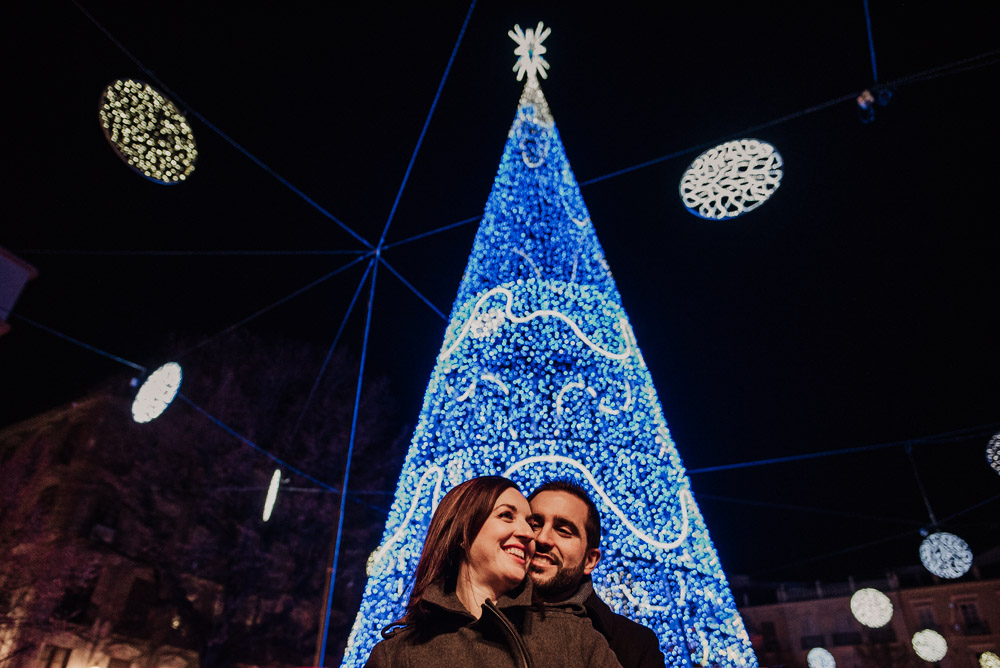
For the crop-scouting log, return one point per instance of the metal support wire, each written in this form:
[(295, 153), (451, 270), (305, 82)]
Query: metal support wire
[(427, 121), (438, 230), (920, 484), (194, 112), (66, 337), (347, 471), (329, 353), (183, 253), (871, 43), (413, 289)]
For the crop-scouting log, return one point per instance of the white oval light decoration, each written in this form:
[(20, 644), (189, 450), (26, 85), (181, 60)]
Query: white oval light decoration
[(945, 555), (930, 645), (272, 494), (989, 660), (993, 452), (157, 392), (147, 131), (871, 607), (820, 658), (731, 179)]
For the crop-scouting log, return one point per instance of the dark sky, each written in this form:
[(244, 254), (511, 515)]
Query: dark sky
[(857, 307)]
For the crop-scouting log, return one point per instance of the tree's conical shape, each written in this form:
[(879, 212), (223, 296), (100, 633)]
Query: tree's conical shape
[(540, 377)]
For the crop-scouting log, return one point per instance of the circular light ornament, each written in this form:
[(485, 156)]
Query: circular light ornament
[(147, 131), (157, 392), (993, 452), (820, 658), (871, 607), (989, 660), (731, 179), (945, 555), (930, 645)]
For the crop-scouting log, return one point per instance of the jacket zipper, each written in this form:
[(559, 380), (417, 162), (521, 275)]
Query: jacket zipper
[(513, 637)]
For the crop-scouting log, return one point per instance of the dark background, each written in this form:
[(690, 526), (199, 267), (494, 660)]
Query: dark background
[(857, 307)]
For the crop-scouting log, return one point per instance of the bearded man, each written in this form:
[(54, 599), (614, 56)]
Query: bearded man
[(567, 529)]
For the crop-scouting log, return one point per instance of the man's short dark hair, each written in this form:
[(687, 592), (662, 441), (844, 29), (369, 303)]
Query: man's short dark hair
[(593, 524)]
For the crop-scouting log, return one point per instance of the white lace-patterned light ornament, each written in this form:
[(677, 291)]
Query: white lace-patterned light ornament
[(487, 323), (529, 51), (731, 179), (157, 392), (993, 452), (147, 131), (272, 494), (930, 645), (871, 607), (989, 660), (820, 658), (945, 555)]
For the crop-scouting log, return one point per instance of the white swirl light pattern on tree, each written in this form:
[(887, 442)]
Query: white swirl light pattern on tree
[(993, 452), (820, 658), (945, 555), (930, 645), (147, 131), (731, 179), (871, 607), (157, 392), (989, 660)]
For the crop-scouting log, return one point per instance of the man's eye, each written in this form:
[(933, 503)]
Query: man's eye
[(565, 531)]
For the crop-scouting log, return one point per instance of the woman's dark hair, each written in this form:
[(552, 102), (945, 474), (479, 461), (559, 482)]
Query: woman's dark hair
[(455, 525)]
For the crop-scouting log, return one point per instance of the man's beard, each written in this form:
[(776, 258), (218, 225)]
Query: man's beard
[(566, 580)]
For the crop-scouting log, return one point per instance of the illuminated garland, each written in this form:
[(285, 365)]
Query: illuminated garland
[(539, 376)]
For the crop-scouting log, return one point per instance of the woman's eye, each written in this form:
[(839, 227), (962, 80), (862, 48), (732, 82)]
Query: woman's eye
[(507, 515)]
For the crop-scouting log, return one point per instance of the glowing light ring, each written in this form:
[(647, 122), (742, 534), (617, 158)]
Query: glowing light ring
[(272, 494), (376, 558), (945, 555), (731, 179), (684, 495), (157, 392), (499, 290), (930, 645), (538, 272), (871, 607), (147, 131), (989, 660), (468, 392), (820, 658), (604, 408), (491, 378), (559, 397), (993, 452), (542, 148), (529, 51)]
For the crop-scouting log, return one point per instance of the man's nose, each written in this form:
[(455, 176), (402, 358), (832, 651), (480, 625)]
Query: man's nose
[(544, 537)]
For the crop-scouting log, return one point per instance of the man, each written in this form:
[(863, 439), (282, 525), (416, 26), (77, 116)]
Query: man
[(567, 548)]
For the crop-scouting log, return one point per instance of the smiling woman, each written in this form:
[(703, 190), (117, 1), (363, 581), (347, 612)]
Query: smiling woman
[(471, 602)]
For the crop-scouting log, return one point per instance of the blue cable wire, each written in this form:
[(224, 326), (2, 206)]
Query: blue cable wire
[(427, 121), (183, 253), (329, 353), (438, 230), (413, 289), (347, 471), (66, 337), (194, 112), (871, 43)]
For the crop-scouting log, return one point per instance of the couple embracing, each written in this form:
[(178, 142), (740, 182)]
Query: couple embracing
[(505, 581)]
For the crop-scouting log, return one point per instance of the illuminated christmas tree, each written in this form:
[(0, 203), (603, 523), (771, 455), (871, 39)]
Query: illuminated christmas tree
[(539, 377)]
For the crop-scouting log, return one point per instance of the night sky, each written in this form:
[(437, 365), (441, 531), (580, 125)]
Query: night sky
[(857, 307)]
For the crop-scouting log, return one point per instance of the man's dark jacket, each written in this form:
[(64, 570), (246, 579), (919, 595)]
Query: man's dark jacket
[(635, 645)]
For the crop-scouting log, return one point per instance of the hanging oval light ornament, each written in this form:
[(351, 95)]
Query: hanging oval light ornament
[(993, 452), (945, 555), (989, 660), (731, 179), (157, 392), (871, 607), (930, 645), (820, 658)]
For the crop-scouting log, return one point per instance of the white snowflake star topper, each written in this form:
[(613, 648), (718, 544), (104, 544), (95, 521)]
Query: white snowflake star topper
[(529, 51)]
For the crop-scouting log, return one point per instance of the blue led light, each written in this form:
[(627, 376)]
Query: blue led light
[(540, 376)]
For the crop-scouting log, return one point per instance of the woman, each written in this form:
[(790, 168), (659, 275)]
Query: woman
[(471, 602)]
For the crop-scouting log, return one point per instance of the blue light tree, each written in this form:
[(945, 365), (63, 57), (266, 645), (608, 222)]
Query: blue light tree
[(540, 376)]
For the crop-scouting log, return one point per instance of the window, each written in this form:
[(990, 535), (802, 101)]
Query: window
[(925, 617), (134, 617), (972, 623), (770, 636), (842, 638), (55, 657), (808, 642)]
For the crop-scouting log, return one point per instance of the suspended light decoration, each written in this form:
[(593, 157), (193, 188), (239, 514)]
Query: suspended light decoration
[(731, 179), (989, 660), (930, 645), (871, 607), (820, 658), (945, 555), (157, 392), (272, 494), (993, 452), (147, 131)]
